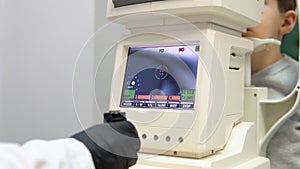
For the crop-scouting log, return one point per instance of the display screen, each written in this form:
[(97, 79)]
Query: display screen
[(120, 3), (161, 77)]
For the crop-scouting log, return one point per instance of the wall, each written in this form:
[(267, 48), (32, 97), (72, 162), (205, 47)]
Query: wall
[(42, 41), (1, 61), (106, 39)]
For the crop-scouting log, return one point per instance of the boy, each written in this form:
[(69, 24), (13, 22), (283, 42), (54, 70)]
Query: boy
[(279, 73)]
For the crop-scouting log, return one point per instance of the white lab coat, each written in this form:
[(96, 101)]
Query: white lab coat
[(38, 154)]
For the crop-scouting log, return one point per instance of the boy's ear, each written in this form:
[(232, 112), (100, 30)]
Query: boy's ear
[(289, 21)]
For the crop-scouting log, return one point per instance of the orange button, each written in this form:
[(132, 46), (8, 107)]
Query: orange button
[(143, 97), (159, 97), (174, 97)]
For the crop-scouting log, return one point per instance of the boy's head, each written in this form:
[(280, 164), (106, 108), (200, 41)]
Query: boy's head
[(286, 5), (278, 18)]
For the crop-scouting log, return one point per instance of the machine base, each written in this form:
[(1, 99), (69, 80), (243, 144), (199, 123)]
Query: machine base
[(241, 152)]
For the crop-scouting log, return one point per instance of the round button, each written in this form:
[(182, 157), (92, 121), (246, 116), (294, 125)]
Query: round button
[(155, 137), (180, 139)]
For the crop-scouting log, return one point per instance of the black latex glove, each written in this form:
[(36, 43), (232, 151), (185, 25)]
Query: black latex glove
[(113, 145)]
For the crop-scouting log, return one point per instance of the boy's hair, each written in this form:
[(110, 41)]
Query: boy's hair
[(286, 5)]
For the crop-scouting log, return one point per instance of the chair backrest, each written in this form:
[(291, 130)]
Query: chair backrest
[(290, 43)]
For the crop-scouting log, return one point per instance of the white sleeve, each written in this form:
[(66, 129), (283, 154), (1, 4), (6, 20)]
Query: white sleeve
[(38, 154)]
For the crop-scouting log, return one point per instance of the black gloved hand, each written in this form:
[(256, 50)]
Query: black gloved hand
[(113, 145)]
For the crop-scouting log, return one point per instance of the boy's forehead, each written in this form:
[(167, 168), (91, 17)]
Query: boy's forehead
[(267, 1), (271, 1)]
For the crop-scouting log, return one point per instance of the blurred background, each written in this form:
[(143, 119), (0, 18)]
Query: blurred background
[(40, 41)]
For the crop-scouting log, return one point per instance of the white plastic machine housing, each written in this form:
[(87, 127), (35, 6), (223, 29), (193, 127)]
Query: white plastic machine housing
[(218, 103), (221, 77), (233, 14)]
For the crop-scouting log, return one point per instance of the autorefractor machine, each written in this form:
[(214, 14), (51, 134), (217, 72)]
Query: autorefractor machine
[(182, 75)]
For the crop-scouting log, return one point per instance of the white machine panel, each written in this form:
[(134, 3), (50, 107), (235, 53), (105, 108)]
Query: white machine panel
[(183, 95), (235, 14)]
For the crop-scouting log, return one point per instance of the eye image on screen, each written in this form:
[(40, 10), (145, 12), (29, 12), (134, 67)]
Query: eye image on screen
[(161, 77)]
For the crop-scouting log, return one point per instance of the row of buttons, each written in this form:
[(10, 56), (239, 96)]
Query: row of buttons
[(167, 138), (157, 105)]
